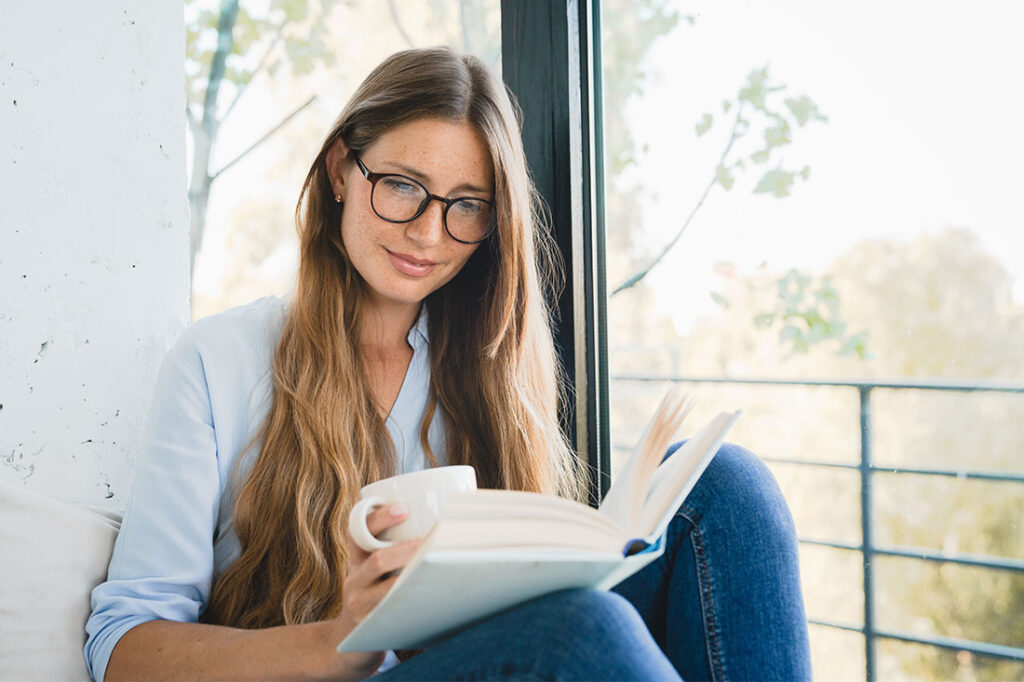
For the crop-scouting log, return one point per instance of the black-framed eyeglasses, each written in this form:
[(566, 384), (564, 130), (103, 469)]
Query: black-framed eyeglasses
[(401, 199)]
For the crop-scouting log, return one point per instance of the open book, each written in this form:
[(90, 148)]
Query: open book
[(493, 549)]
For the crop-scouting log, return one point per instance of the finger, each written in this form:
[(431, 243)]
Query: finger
[(376, 522), (356, 554), (383, 562), (391, 515), (379, 564), (359, 603), (380, 590)]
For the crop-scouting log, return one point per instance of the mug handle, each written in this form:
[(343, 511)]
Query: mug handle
[(357, 524)]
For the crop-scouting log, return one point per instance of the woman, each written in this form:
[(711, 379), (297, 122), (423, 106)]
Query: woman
[(418, 335)]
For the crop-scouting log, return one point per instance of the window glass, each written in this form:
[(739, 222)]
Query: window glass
[(846, 181), (284, 54)]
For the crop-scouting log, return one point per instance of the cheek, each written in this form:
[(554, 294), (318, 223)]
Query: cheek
[(353, 236), (346, 235), (462, 256)]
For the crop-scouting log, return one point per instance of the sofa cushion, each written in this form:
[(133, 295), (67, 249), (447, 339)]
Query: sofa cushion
[(51, 556)]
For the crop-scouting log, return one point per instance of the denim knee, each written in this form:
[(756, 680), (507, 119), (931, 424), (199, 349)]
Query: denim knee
[(590, 614), (602, 623), (737, 480), (568, 635)]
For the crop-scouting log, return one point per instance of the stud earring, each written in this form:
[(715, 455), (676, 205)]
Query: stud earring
[(337, 198)]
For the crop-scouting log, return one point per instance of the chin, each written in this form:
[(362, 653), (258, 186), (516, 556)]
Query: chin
[(409, 296), (402, 291)]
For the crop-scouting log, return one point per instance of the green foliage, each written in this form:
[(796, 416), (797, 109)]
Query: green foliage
[(724, 177), (941, 306), (807, 313), (949, 311), (265, 37), (805, 309), (761, 105), (704, 125), (757, 89), (776, 182), (938, 306), (804, 110), (777, 135)]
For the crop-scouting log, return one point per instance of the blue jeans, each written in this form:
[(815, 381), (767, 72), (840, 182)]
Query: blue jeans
[(723, 602)]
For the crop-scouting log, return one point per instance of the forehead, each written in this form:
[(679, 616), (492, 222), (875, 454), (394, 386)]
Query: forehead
[(439, 149)]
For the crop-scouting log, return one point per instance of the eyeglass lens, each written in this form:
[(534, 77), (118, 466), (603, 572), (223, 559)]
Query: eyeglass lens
[(399, 199)]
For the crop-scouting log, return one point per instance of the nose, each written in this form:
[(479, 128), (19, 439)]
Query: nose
[(428, 228)]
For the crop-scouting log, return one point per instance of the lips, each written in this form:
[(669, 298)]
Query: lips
[(410, 266)]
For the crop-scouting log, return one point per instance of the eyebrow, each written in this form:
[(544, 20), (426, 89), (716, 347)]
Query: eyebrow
[(412, 172)]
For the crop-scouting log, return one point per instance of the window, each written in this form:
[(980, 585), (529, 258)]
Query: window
[(848, 201)]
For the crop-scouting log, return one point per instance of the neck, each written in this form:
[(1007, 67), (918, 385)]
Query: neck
[(386, 325)]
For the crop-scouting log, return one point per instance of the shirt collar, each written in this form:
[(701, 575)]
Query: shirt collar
[(418, 333)]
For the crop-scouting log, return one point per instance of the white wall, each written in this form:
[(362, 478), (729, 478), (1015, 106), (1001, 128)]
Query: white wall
[(93, 235)]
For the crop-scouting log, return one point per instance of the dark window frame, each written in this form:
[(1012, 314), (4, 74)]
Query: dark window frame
[(550, 55)]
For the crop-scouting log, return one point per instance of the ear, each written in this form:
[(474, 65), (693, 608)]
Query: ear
[(338, 161)]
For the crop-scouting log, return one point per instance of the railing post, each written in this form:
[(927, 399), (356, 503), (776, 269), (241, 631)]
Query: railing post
[(866, 526)]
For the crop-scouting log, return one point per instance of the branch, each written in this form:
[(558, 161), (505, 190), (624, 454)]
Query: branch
[(263, 139), (225, 42), (398, 23), (278, 34), (190, 119), (734, 135)]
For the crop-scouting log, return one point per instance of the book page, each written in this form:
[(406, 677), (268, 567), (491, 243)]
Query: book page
[(536, 534), (625, 499), (488, 503), (675, 478), (493, 519), (665, 424)]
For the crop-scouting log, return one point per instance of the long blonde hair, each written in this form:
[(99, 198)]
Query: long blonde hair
[(494, 373)]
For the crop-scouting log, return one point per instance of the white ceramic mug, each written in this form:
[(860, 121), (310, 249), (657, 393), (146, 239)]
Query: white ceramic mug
[(424, 493)]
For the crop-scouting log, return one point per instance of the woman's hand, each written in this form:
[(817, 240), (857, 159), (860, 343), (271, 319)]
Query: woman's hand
[(160, 649), (370, 576)]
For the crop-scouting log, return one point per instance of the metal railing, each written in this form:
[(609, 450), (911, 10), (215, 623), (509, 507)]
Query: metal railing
[(867, 546)]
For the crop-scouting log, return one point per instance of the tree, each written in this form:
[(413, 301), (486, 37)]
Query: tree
[(761, 123), (936, 307), (228, 48), (756, 107)]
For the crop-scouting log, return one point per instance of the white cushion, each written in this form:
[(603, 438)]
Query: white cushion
[(51, 556)]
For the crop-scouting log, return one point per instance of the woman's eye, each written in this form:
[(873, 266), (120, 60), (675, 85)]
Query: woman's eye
[(469, 209), (400, 186)]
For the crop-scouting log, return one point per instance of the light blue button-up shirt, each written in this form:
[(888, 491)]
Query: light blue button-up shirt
[(212, 394)]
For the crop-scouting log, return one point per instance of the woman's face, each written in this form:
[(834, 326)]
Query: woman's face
[(402, 263)]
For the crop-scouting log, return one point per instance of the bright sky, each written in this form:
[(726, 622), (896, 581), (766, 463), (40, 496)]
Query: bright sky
[(924, 101)]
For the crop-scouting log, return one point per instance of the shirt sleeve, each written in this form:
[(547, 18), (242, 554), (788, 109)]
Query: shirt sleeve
[(162, 563)]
